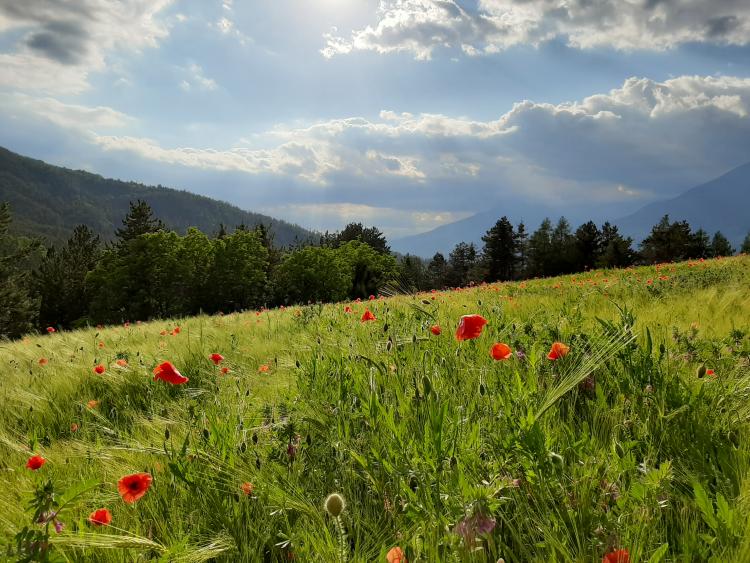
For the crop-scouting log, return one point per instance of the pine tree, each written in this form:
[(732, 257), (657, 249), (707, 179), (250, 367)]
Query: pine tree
[(671, 241), (61, 278), (561, 259), (499, 252), (699, 245), (617, 252), (139, 220), (369, 235), (522, 250), (540, 250), (437, 271), (745, 248), (720, 245), (18, 308), (588, 246), (461, 264)]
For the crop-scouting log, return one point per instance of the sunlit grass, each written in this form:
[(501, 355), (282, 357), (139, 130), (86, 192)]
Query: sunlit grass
[(606, 448)]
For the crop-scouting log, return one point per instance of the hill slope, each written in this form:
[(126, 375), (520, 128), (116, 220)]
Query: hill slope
[(721, 204), (49, 201)]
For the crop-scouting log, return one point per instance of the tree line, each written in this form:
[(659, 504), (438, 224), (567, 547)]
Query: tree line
[(150, 272)]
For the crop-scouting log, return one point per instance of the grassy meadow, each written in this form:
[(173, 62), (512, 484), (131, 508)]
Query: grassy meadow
[(635, 440)]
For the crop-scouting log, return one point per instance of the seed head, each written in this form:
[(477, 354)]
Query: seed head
[(335, 504)]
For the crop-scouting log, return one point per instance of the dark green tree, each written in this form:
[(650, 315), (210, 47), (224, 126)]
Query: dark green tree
[(668, 241), (745, 248), (587, 244), (522, 250), (368, 235), (617, 251), (500, 251), (720, 245), (413, 273), (312, 274), (60, 280), (139, 221), (540, 250), (699, 246), (437, 272), (18, 307), (462, 262)]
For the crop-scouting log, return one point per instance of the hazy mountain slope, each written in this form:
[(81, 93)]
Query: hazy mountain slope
[(49, 201), (721, 204)]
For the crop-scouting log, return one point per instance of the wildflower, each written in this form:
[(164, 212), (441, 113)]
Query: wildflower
[(436, 330), (247, 488), (35, 462), (710, 372), (501, 351), (368, 316), (557, 351), (51, 329), (92, 404), (347, 309), (133, 487), (470, 327), (334, 504), (101, 344), (43, 361), (176, 330), (99, 369), (618, 556), (395, 555), (225, 370), (74, 427), (59, 526), (264, 368), (473, 526), (101, 517), (122, 363), (216, 358), (167, 372)]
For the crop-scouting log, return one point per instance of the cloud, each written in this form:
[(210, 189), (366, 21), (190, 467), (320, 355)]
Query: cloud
[(421, 26), (196, 79), (641, 141), (68, 116), (392, 221), (68, 40)]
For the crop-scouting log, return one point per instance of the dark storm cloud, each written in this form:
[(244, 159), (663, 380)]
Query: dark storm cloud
[(65, 42)]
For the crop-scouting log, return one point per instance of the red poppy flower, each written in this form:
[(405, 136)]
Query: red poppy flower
[(74, 427), (43, 361), (436, 330), (133, 487), (470, 327), (225, 370), (167, 372), (368, 316), (35, 462), (99, 369), (372, 298), (176, 330), (92, 404), (51, 329), (122, 363), (216, 358), (557, 351), (618, 556), (101, 517), (264, 368), (710, 372), (347, 309), (247, 488), (501, 351), (395, 555)]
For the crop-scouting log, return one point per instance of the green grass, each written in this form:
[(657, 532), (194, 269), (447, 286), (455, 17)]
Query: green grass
[(618, 445)]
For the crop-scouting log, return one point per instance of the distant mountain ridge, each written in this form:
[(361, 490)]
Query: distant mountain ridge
[(722, 204), (49, 201)]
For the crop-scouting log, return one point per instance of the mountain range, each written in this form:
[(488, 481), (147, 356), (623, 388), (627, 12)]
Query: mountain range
[(49, 201), (720, 204)]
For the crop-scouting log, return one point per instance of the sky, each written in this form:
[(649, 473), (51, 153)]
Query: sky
[(405, 114)]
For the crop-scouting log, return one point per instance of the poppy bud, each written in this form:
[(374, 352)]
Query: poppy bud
[(206, 433), (166, 434), (257, 463), (255, 437), (335, 504), (702, 371), (243, 447)]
